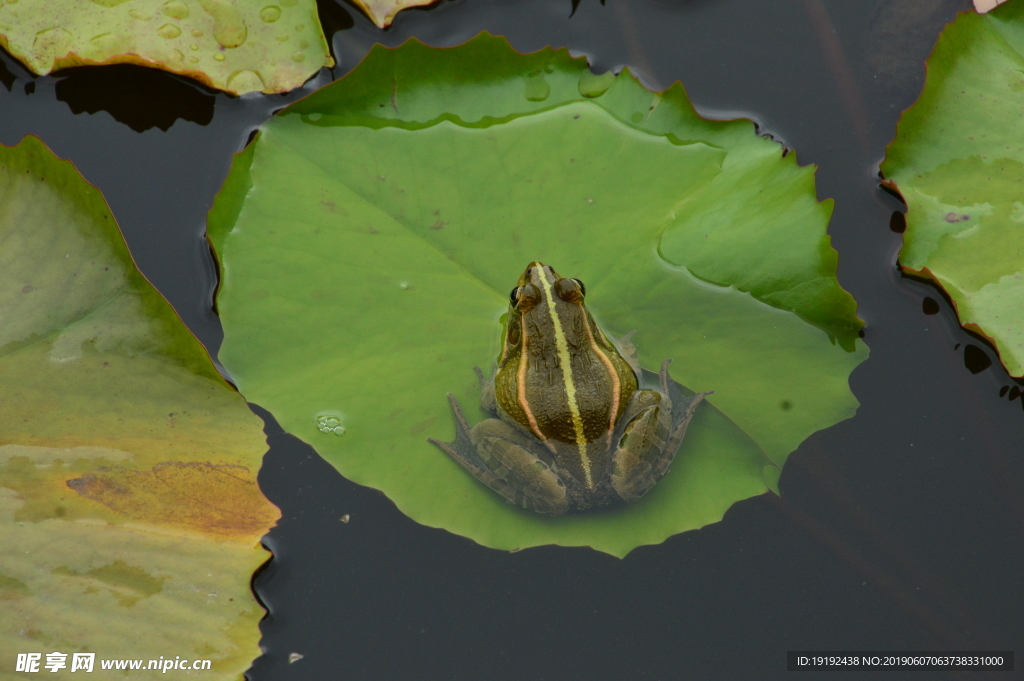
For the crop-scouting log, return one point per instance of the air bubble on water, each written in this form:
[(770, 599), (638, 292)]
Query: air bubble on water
[(330, 422)]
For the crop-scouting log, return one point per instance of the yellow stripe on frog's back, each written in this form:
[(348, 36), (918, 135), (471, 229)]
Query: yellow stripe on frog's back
[(565, 360)]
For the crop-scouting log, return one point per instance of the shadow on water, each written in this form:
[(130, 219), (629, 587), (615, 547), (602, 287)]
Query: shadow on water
[(6, 77), (140, 98)]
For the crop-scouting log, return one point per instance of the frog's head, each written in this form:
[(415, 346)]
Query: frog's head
[(548, 308)]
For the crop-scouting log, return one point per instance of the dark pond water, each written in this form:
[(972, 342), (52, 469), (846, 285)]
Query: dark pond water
[(900, 528)]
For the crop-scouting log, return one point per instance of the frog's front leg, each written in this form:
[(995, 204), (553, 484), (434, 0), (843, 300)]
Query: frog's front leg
[(649, 441), (503, 458)]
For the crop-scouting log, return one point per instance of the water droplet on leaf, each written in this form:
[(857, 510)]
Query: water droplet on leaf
[(270, 13), (298, 56), (330, 422), (594, 85), (169, 31), (219, 56), (245, 81), (175, 9), (52, 44), (228, 27), (537, 88)]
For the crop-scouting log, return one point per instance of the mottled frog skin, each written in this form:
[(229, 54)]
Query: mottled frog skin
[(572, 428)]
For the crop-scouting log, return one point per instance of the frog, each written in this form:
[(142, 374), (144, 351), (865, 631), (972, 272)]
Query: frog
[(571, 428)]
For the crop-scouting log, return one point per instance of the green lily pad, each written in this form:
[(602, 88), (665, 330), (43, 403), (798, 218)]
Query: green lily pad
[(958, 161), (129, 509), (238, 46), (369, 237)]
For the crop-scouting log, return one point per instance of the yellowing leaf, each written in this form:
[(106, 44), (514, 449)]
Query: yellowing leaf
[(983, 6), (129, 512), (382, 12), (238, 46)]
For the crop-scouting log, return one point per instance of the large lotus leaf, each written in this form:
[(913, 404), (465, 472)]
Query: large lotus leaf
[(238, 46), (129, 512), (369, 237), (382, 12), (958, 161)]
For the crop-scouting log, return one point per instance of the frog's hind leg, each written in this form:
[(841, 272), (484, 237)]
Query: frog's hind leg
[(641, 457), (498, 456), (649, 441)]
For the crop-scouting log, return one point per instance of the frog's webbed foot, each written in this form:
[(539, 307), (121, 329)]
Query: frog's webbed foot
[(496, 454), (683, 407), (650, 440), (461, 449), (487, 399)]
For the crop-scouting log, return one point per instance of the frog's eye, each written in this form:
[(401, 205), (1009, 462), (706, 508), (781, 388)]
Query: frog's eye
[(570, 290), (583, 289), (524, 297)]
